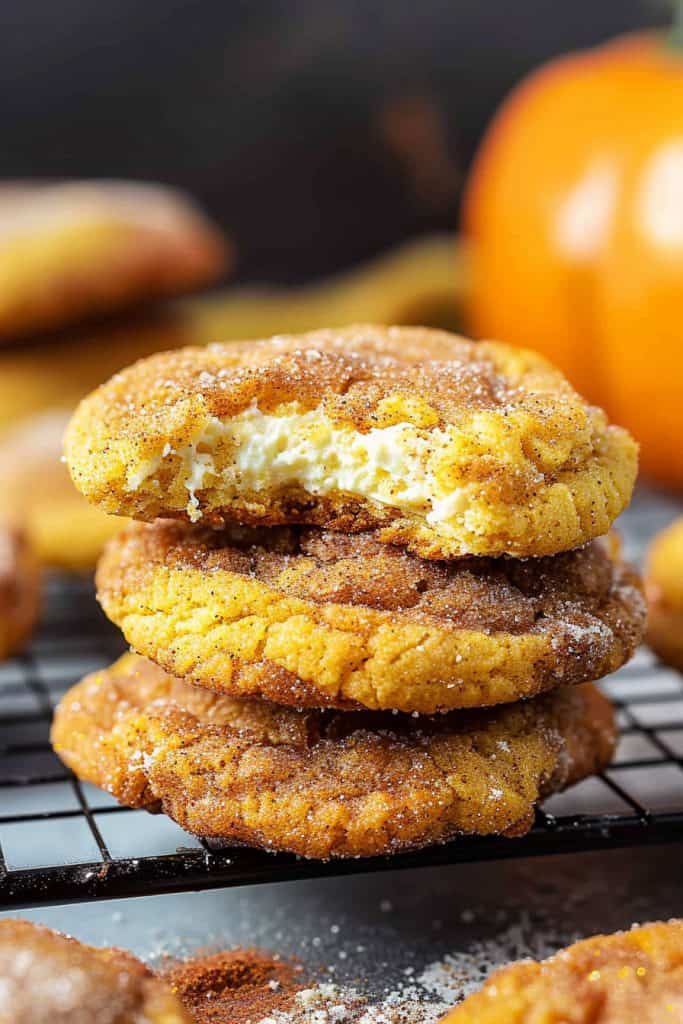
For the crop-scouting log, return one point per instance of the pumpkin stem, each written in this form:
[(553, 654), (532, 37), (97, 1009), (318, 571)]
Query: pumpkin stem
[(676, 30)]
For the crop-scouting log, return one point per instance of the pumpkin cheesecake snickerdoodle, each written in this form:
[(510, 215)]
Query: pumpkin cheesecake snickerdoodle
[(50, 978), (447, 446), (309, 617), (324, 783), (633, 977), (664, 589), (19, 590)]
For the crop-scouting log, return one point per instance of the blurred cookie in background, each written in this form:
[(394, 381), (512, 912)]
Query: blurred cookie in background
[(36, 491), (422, 282), (664, 589), (74, 250), (57, 371), (19, 590), (50, 978)]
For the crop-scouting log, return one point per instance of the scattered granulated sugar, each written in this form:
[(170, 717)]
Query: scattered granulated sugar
[(336, 1004), (458, 974), (426, 995), (254, 987)]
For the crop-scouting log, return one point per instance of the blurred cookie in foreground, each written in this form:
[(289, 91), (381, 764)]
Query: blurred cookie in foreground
[(19, 590), (56, 371), (50, 978), (448, 446), (323, 783), (36, 491), (664, 589), (633, 977), (309, 617), (74, 250)]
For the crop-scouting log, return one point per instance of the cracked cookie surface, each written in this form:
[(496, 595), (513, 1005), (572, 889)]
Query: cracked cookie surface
[(633, 977), (448, 446), (310, 617), (324, 783), (50, 978)]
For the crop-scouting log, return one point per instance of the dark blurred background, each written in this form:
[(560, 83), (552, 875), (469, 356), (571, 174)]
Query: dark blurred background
[(318, 132)]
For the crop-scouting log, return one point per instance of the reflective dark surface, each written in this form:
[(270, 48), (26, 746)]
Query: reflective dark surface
[(372, 929)]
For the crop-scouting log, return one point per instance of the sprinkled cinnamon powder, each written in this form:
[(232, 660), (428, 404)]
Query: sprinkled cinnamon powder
[(248, 986), (240, 986)]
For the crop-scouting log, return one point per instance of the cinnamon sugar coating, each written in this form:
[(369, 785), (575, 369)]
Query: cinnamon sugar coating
[(308, 617), (664, 589), (633, 977), (49, 978), (450, 447), (324, 783), (19, 590)]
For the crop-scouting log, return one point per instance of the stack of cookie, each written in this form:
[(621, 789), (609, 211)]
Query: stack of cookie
[(367, 598)]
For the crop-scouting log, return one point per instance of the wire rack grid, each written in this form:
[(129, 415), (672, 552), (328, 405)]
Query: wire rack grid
[(61, 840)]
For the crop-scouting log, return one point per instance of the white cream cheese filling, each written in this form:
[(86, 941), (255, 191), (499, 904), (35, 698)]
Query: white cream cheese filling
[(396, 465)]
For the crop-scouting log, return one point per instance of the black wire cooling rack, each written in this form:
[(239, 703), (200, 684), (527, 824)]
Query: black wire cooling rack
[(61, 840)]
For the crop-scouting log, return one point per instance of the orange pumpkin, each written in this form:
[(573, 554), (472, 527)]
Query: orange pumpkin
[(575, 210)]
